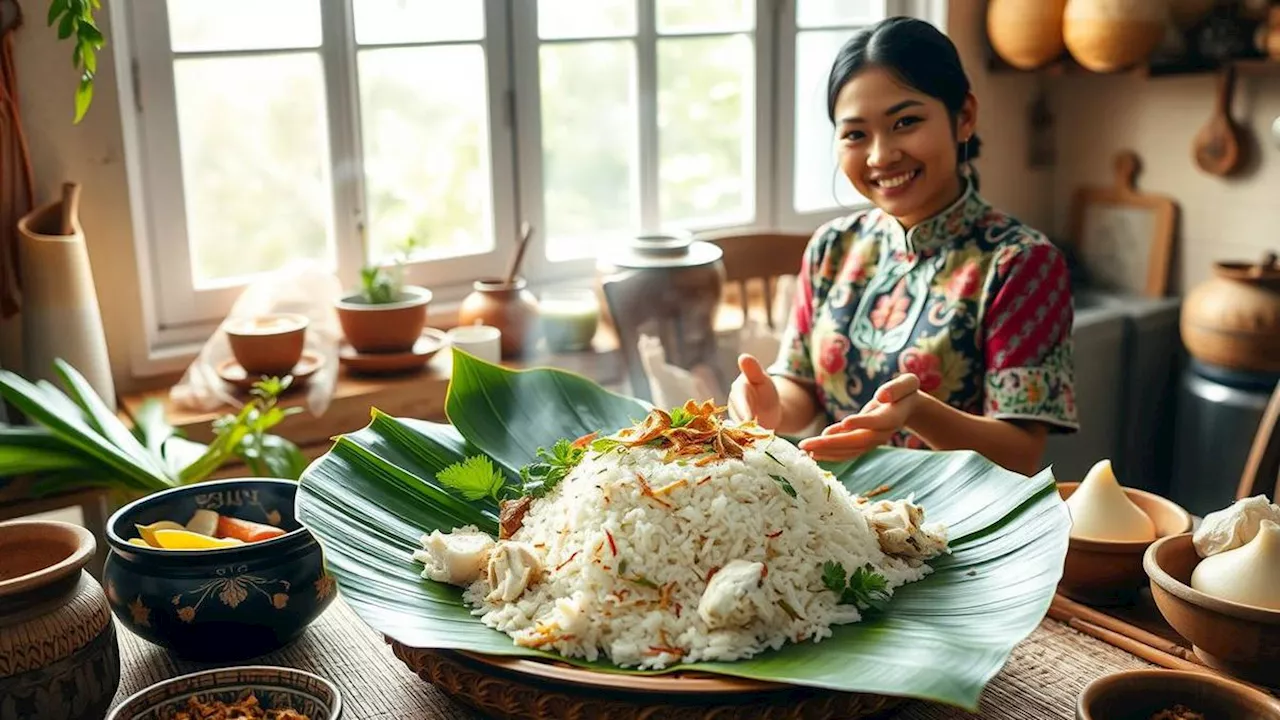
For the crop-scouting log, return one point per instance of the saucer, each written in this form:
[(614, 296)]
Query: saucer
[(429, 343), (233, 373)]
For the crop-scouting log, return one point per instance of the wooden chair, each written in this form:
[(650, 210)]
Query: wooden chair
[(1262, 469), (759, 256)]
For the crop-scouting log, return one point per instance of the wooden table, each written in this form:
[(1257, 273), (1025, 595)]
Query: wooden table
[(1042, 679)]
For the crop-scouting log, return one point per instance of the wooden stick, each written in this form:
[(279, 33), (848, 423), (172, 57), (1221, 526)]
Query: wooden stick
[(70, 207), (1064, 609), (526, 232)]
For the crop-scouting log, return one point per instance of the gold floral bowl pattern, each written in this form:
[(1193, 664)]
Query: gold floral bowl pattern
[(221, 604)]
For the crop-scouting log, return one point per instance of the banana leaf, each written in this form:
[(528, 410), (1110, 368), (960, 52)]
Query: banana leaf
[(943, 638)]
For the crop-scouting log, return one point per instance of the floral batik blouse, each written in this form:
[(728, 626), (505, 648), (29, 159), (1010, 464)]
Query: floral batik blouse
[(972, 301)]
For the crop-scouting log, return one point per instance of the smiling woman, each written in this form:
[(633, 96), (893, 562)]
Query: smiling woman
[(931, 319)]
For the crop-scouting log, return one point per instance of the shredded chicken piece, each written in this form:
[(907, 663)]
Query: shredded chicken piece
[(732, 595), (513, 567), (457, 557), (899, 525)]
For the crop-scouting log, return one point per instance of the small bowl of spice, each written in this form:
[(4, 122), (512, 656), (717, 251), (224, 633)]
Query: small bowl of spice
[(258, 692), (1173, 695)]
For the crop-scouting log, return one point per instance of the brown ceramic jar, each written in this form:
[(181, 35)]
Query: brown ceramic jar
[(510, 307), (1232, 320), (59, 659)]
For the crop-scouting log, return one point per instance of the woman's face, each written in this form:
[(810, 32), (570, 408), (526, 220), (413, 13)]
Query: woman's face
[(898, 146)]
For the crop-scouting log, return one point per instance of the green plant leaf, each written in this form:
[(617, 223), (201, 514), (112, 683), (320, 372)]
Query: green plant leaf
[(56, 8), (20, 460), (84, 96), (66, 26), (44, 405), (104, 420), (372, 496)]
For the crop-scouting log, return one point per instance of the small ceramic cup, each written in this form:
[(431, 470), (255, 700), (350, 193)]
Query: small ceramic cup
[(269, 344), (482, 341)]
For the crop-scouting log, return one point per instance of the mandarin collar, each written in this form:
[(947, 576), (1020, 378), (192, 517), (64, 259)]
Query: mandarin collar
[(943, 229)]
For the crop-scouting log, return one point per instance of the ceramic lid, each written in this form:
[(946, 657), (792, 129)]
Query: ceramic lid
[(662, 251)]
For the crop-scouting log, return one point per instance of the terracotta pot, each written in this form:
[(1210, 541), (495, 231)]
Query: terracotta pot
[(268, 345), (510, 307), (1103, 573), (1027, 34), (1232, 320), (1241, 640), (384, 327), (59, 659), (1111, 35)]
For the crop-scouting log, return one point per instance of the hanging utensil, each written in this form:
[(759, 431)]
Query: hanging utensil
[(1217, 145)]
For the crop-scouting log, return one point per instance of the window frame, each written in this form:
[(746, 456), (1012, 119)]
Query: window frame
[(177, 321)]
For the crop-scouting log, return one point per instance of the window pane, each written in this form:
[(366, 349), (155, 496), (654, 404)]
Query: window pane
[(426, 149), (200, 25), (706, 128), (825, 13), (585, 18), (255, 163), (404, 21), (818, 183), (589, 144), (695, 15)]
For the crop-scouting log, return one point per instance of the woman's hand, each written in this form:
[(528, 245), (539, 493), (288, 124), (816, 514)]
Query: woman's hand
[(753, 395), (879, 420)]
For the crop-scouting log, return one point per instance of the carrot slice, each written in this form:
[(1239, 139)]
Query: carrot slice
[(245, 530)]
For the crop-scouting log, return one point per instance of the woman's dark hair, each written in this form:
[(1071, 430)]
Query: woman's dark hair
[(916, 53)]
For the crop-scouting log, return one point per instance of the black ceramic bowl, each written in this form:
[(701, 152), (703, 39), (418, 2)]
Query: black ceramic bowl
[(275, 688), (226, 604)]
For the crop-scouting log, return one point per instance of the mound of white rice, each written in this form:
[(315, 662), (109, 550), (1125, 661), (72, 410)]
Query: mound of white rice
[(624, 570)]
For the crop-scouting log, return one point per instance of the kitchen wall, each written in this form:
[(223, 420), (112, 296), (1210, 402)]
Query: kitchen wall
[(92, 154), (1158, 118)]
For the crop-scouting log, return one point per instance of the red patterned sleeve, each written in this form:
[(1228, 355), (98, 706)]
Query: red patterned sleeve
[(1027, 323), (794, 359)]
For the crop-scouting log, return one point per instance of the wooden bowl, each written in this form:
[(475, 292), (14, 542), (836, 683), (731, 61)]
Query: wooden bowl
[(1143, 693), (268, 344), (511, 688), (1103, 572), (1242, 640)]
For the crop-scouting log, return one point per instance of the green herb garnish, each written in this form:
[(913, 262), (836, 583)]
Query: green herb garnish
[(681, 417), (644, 582), (605, 444), (771, 457), (865, 587), (786, 486), (540, 477), (473, 478)]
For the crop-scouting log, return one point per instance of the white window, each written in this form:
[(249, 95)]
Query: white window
[(334, 130)]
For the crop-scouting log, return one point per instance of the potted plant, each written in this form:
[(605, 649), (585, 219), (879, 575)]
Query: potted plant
[(385, 316), (77, 441)]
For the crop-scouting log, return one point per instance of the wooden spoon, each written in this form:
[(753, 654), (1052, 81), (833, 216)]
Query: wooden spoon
[(1217, 145), (526, 233)]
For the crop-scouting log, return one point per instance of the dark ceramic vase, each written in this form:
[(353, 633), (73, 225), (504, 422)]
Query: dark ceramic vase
[(59, 659), (220, 605)]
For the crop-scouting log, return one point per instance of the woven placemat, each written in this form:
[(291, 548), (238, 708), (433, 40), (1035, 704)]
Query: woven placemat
[(1041, 680)]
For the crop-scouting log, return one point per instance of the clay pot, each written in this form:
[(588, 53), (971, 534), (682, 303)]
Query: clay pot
[(1232, 320), (268, 345), (58, 654), (384, 327), (1241, 640), (510, 307), (1027, 34), (1103, 572), (1111, 35)]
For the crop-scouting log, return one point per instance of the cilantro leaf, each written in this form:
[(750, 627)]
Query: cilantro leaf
[(786, 485), (865, 588), (681, 417), (539, 478), (833, 577), (473, 478)]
